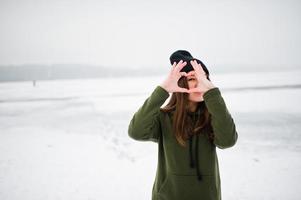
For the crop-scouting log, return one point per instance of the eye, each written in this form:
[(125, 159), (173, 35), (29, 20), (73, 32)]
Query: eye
[(191, 79)]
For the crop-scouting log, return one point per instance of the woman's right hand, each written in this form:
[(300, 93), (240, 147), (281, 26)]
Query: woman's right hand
[(171, 82)]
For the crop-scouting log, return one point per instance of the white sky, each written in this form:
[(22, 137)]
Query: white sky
[(145, 33)]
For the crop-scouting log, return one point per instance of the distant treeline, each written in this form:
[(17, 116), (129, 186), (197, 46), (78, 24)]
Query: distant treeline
[(67, 71), (36, 72)]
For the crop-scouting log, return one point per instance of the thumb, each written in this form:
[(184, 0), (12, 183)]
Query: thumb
[(179, 89), (192, 90)]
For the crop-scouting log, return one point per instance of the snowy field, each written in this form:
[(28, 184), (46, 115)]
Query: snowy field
[(68, 139)]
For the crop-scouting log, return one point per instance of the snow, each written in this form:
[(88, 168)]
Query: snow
[(67, 139)]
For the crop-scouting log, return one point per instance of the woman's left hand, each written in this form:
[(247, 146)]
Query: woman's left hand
[(203, 84)]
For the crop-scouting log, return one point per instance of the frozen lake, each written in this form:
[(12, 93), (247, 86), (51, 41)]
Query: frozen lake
[(67, 139)]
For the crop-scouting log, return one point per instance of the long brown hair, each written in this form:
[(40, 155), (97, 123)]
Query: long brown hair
[(182, 123)]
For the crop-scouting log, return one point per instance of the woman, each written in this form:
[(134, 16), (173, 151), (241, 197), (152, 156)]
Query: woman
[(196, 114)]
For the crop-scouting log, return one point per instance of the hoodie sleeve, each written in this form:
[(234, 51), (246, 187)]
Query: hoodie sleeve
[(221, 120), (145, 124)]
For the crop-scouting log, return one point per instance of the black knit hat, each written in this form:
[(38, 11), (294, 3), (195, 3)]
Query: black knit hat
[(186, 56)]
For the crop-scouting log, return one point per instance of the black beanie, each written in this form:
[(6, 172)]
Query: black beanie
[(186, 56)]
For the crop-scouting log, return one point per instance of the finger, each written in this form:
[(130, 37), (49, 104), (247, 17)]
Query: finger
[(180, 62), (201, 69), (198, 69), (197, 72), (194, 65), (173, 66), (179, 89), (180, 66)]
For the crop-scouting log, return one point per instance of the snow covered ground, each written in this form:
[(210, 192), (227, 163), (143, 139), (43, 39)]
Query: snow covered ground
[(68, 139)]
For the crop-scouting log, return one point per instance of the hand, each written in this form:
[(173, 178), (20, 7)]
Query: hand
[(203, 84), (171, 82)]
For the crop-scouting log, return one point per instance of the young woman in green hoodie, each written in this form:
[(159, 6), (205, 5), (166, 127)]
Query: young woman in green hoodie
[(196, 114)]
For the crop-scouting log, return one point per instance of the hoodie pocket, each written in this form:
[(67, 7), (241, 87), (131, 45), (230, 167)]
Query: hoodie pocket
[(179, 187)]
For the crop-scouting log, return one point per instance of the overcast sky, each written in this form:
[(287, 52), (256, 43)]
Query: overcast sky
[(144, 33)]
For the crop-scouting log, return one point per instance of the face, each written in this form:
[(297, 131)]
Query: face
[(192, 83)]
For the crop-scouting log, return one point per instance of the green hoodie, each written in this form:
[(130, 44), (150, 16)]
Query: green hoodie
[(175, 178)]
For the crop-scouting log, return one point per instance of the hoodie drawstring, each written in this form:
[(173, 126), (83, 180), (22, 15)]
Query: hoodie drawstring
[(196, 163), (196, 157), (190, 152)]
